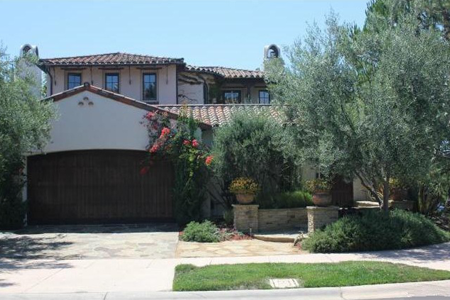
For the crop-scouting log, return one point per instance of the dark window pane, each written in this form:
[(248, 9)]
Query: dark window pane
[(149, 86), (232, 96), (112, 82), (73, 80), (264, 97)]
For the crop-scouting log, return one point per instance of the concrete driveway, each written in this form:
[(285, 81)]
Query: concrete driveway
[(91, 242)]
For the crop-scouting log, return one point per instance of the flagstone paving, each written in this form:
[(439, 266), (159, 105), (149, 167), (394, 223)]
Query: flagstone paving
[(235, 248), (91, 242)]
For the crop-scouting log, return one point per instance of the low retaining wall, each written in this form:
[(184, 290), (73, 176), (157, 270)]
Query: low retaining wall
[(319, 217), (249, 218), (282, 219)]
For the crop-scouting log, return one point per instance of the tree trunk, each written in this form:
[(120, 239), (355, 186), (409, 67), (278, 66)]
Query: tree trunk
[(386, 196)]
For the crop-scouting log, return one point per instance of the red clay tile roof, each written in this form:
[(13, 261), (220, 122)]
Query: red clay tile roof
[(120, 58), (228, 72), (117, 58), (116, 97), (220, 114)]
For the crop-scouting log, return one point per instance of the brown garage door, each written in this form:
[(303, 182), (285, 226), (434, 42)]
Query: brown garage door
[(98, 186)]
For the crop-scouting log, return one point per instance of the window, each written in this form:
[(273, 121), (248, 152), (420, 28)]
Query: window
[(232, 96), (149, 86), (112, 82), (264, 97), (73, 80)]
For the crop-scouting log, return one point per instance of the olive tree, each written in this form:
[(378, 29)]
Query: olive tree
[(370, 105), (24, 126)]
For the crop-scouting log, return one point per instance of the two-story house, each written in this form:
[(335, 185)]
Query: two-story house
[(156, 80), (89, 171)]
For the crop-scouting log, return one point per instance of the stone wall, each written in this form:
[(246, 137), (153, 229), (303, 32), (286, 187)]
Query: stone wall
[(249, 218), (246, 217), (318, 217), (282, 219)]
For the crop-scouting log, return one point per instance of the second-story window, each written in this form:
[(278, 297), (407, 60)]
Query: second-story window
[(232, 96), (149, 86), (73, 80), (112, 82), (264, 97)]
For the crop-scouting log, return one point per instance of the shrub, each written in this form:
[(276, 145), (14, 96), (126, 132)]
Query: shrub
[(12, 214), (375, 230), (252, 145), (294, 199), (228, 217), (286, 200), (205, 232)]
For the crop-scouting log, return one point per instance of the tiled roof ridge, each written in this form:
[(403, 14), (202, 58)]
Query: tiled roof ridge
[(86, 55), (226, 71), (229, 68), (109, 58), (216, 104)]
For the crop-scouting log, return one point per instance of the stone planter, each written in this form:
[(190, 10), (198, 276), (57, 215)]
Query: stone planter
[(245, 198), (322, 199)]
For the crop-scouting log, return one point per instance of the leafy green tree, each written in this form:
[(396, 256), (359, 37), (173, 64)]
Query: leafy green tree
[(371, 105), (251, 145), (433, 14), (24, 127)]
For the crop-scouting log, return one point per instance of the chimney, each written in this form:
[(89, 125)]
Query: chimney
[(30, 69)]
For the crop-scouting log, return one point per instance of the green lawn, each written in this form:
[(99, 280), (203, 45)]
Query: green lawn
[(256, 276)]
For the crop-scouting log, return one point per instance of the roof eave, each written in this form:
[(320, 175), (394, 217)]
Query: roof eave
[(117, 97)]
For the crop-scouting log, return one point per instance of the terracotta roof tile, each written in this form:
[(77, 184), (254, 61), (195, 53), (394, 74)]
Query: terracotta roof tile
[(220, 114), (117, 58), (228, 72)]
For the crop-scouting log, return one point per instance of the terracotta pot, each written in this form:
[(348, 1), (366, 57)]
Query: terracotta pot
[(245, 198), (321, 199)]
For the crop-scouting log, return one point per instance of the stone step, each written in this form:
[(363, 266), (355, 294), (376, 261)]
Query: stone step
[(278, 237)]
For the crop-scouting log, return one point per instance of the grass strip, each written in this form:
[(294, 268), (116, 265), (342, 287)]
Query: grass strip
[(256, 276)]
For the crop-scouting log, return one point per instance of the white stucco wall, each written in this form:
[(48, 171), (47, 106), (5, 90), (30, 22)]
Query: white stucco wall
[(107, 124), (130, 81), (190, 93)]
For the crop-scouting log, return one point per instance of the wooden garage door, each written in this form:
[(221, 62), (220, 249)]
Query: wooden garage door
[(103, 186)]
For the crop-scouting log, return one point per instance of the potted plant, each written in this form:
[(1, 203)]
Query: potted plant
[(320, 189), (245, 189)]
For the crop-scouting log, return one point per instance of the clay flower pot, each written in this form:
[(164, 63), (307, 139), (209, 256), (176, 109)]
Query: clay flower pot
[(322, 199), (245, 198)]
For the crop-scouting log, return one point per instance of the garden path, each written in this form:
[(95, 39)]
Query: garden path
[(240, 248)]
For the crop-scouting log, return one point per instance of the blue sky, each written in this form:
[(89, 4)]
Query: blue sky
[(228, 33)]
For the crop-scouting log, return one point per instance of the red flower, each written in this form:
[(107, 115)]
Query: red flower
[(186, 142), (208, 160), (165, 131), (154, 148), (144, 170), (149, 115), (194, 143)]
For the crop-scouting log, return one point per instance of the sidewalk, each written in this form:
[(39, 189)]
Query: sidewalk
[(153, 275)]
